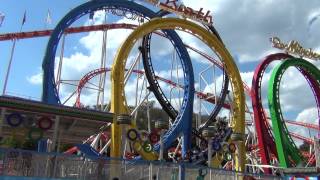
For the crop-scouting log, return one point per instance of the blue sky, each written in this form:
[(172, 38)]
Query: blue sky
[(244, 26), (29, 52)]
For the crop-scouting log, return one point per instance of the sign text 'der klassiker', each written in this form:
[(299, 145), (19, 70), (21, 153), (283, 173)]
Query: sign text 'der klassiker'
[(294, 48), (187, 12)]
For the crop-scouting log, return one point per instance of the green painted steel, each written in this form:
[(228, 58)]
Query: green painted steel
[(38, 107), (286, 148)]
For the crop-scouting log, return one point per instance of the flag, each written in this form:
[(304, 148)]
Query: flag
[(1, 18), (24, 18), (48, 19)]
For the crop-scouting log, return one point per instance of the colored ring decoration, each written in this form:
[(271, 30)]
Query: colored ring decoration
[(35, 130), (219, 156), (225, 147), (132, 134), (227, 156), (216, 146), (154, 137), (147, 147), (42, 121), (232, 147), (16, 115)]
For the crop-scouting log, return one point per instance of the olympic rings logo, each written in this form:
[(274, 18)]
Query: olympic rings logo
[(146, 139), (44, 123)]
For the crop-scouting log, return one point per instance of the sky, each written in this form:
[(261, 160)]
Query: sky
[(245, 27)]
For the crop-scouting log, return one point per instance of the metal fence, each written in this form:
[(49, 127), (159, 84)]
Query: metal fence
[(20, 163)]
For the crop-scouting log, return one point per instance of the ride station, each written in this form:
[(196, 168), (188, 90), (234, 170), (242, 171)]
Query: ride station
[(152, 106)]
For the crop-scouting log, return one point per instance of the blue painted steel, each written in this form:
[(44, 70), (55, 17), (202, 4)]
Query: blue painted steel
[(87, 150), (182, 125), (42, 145)]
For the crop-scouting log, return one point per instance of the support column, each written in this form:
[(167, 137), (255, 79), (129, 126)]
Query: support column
[(55, 134), (2, 119)]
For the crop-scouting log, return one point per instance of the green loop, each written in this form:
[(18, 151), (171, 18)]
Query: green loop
[(147, 147), (286, 148), (35, 130), (227, 156)]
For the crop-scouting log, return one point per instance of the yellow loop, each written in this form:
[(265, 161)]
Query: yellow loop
[(118, 105)]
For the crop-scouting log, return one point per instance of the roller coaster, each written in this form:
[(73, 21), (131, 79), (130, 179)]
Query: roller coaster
[(206, 137)]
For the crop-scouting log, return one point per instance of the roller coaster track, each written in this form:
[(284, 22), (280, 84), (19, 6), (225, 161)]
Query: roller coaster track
[(179, 125), (72, 30), (266, 141), (183, 123), (156, 89), (83, 81), (33, 34), (102, 27), (286, 149), (163, 100), (50, 94), (208, 97)]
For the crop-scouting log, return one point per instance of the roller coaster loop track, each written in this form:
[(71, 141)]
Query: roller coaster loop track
[(286, 149), (266, 141), (211, 41)]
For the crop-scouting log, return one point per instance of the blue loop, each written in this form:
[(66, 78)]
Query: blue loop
[(216, 146), (132, 134), (183, 123), (17, 116)]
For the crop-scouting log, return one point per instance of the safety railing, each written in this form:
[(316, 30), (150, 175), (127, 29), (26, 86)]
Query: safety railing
[(21, 163)]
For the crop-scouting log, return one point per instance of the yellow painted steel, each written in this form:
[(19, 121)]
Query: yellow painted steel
[(118, 104)]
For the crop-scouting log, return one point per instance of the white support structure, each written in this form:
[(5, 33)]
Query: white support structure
[(58, 79), (161, 146), (102, 78), (317, 151), (105, 147), (9, 67)]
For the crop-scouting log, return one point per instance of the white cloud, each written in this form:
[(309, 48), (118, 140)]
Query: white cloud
[(176, 73), (35, 79), (247, 29), (309, 115)]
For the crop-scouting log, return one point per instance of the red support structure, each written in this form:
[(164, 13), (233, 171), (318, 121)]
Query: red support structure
[(307, 140), (34, 34)]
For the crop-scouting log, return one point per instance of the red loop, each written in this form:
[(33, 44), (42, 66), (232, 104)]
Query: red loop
[(154, 138), (42, 121)]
